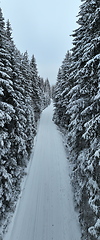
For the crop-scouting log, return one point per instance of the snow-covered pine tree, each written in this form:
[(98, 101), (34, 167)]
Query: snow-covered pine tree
[(10, 171), (90, 115), (57, 98), (7, 112), (35, 94), (17, 135), (30, 130), (17, 118), (47, 92), (41, 90), (83, 109), (62, 88)]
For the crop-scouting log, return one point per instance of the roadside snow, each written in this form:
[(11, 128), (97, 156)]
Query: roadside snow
[(45, 210)]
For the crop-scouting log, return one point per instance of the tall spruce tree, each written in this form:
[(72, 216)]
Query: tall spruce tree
[(35, 94), (7, 112), (21, 92), (83, 115), (47, 92)]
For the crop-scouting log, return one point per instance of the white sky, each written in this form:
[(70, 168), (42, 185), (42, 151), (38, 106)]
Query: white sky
[(42, 27)]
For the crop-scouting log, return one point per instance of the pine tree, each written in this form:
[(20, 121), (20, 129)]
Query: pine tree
[(82, 108), (47, 92), (57, 98), (7, 112), (35, 94), (61, 91), (20, 108)]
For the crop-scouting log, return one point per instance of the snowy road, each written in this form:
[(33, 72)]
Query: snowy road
[(46, 211)]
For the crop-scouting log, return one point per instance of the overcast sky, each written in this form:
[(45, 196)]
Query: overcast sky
[(42, 27)]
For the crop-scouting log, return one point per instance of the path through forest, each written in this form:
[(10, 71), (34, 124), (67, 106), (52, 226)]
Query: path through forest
[(45, 210)]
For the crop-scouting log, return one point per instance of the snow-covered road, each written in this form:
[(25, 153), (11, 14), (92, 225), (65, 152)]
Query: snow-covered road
[(45, 210)]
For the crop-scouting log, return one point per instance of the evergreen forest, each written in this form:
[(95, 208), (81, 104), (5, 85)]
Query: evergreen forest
[(76, 96), (77, 113), (23, 96)]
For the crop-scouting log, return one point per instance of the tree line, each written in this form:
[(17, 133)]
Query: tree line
[(23, 96), (77, 112)]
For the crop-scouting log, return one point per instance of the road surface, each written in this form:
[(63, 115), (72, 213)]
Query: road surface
[(45, 210)]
